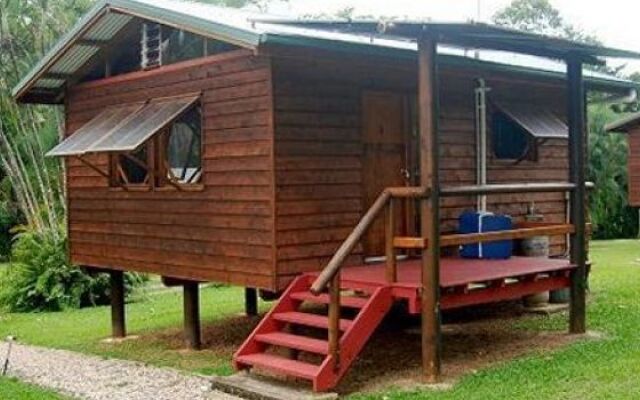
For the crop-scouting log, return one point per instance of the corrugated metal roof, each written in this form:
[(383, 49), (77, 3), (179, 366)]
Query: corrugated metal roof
[(73, 59), (624, 124), (249, 30), (107, 27), (469, 34)]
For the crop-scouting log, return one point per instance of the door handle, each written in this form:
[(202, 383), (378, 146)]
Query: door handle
[(405, 173)]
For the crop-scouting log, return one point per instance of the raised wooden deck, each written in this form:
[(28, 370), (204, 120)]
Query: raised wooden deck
[(465, 282)]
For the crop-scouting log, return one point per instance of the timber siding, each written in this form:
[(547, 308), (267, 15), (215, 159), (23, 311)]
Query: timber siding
[(319, 149), (221, 233), (634, 167)]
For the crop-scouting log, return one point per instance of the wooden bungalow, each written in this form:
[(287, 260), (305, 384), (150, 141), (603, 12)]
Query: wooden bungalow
[(206, 144), (631, 126)]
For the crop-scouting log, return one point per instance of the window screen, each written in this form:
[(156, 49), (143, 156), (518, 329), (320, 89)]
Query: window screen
[(184, 147), (510, 141)]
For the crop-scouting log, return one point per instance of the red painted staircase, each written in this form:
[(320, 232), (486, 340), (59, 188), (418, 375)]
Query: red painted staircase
[(288, 328)]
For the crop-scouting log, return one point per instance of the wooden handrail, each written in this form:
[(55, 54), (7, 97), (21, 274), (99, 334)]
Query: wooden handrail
[(509, 188), (469, 238), (349, 244), (408, 192)]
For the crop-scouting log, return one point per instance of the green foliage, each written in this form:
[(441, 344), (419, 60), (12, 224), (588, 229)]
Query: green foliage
[(610, 213), (40, 278), (541, 17)]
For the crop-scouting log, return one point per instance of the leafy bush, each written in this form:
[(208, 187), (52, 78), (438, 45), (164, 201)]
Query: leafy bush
[(9, 217), (611, 214), (41, 279)]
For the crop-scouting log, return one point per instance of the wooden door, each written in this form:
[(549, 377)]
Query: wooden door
[(385, 157)]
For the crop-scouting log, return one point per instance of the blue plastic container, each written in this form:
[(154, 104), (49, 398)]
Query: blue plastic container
[(475, 222)]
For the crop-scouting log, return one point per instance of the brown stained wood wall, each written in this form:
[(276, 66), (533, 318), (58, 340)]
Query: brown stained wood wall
[(634, 167), (318, 149), (222, 233)]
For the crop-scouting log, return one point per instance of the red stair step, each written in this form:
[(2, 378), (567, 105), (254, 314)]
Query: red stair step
[(346, 301), (280, 365), (296, 342), (316, 321)]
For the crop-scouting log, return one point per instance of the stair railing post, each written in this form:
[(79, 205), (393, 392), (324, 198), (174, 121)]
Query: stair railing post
[(334, 320), (390, 250)]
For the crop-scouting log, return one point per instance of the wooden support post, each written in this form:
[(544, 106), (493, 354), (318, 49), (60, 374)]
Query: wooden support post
[(251, 302), (334, 320), (192, 332), (118, 323), (390, 249), (430, 207), (577, 156)]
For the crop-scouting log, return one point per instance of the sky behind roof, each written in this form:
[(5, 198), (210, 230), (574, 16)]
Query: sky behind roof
[(615, 22)]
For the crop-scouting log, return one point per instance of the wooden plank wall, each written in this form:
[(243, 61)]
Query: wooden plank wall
[(634, 167), (318, 149), (223, 233)]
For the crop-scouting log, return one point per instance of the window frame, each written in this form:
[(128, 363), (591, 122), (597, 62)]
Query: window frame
[(531, 153), (157, 162)]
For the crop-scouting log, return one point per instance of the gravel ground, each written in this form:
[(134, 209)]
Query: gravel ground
[(93, 378)]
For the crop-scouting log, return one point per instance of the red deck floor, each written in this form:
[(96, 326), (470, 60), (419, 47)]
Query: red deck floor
[(457, 271), (529, 275)]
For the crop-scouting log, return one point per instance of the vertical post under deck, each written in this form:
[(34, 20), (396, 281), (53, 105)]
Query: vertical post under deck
[(118, 324), (192, 331), (577, 155), (251, 302), (430, 207)]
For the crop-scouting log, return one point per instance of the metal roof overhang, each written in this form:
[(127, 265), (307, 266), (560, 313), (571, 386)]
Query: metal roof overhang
[(474, 35), (539, 122), (46, 82), (624, 125), (123, 128), (99, 25)]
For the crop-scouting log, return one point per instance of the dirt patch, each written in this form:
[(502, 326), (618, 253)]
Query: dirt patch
[(473, 339)]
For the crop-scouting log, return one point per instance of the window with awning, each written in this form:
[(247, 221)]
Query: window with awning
[(539, 122), (123, 128), (151, 144), (518, 130)]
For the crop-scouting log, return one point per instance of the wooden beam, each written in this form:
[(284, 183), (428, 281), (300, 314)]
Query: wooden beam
[(118, 324), (251, 302), (458, 239), (406, 242), (577, 155), (429, 207), (408, 192), (512, 234), (511, 188), (334, 320), (93, 167), (192, 330), (390, 249), (349, 244)]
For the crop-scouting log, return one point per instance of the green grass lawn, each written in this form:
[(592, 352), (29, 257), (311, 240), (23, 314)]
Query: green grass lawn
[(11, 389), (590, 369), (157, 319)]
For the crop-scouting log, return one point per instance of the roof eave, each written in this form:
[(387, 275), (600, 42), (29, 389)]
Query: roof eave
[(240, 37), (593, 82)]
